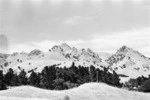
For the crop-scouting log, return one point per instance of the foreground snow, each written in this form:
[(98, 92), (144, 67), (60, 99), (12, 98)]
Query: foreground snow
[(90, 91)]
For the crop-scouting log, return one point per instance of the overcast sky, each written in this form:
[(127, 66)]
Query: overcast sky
[(102, 25)]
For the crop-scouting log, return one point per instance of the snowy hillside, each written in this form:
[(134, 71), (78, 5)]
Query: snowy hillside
[(3, 58), (129, 62), (89, 91), (126, 61), (63, 55)]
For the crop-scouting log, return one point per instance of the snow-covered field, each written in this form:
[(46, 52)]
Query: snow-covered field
[(89, 91)]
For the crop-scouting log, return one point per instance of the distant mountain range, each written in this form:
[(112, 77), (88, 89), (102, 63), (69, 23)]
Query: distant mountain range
[(127, 62)]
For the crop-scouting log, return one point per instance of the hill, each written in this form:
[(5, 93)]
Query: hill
[(89, 91)]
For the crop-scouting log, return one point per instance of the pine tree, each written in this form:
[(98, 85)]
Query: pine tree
[(9, 77), (34, 79), (22, 78), (2, 83), (115, 79)]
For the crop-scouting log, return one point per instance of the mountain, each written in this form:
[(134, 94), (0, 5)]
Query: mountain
[(89, 91), (61, 55), (3, 58), (104, 55), (129, 63)]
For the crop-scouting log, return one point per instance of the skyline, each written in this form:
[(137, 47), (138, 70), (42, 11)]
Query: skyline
[(103, 26)]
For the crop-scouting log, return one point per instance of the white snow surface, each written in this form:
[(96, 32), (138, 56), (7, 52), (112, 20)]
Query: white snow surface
[(89, 91)]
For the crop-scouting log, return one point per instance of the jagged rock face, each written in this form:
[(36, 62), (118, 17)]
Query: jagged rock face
[(15, 54), (74, 51), (3, 56), (65, 47), (115, 59), (123, 49), (74, 54), (35, 52), (93, 54), (57, 49)]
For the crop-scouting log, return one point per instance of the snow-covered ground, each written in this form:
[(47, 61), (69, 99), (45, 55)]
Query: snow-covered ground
[(89, 91)]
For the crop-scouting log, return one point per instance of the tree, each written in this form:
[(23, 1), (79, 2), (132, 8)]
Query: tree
[(15, 81), (34, 79), (58, 84), (8, 78), (47, 76), (115, 79), (22, 78), (93, 73), (145, 86), (2, 83)]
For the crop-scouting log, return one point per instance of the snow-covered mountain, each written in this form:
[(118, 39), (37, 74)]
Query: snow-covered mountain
[(62, 55), (129, 62), (126, 61)]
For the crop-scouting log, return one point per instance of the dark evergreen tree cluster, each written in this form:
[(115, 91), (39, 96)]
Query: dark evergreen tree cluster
[(140, 84), (2, 83), (56, 78)]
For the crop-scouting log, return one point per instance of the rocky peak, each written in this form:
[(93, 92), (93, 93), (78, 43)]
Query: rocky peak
[(35, 52), (123, 49), (57, 49), (74, 50), (89, 50), (83, 52), (24, 53), (65, 46), (15, 54)]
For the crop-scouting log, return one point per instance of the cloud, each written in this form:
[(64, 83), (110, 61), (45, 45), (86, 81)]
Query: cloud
[(79, 19), (136, 39), (73, 20)]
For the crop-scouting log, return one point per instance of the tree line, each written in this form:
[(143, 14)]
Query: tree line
[(141, 84), (56, 78)]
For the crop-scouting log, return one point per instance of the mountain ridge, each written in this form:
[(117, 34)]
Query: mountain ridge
[(125, 61)]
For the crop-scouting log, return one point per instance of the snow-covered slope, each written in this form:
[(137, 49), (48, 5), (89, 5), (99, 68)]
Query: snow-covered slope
[(3, 62), (126, 61), (129, 62), (62, 54), (104, 55), (89, 91)]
